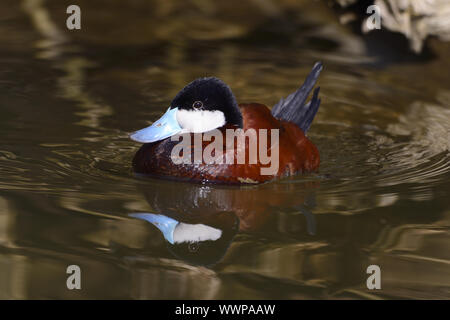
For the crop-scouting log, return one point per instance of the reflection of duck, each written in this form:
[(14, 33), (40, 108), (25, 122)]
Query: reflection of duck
[(199, 222), (207, 104)]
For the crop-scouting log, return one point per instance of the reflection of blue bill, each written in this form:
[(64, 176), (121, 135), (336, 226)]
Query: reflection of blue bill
[(165, 224)]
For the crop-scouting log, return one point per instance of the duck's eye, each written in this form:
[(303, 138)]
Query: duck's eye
[(193, 247), (197, 105)]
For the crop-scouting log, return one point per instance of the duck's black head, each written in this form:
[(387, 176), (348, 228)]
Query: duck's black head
[(206, 102), (203, 105)]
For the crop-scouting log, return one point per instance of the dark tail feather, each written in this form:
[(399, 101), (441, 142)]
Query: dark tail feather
[(293, 108)]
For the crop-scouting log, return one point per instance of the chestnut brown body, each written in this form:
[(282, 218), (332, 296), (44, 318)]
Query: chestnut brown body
[(297, 154)]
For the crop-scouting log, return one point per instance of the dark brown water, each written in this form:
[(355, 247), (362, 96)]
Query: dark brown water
[(68, 100)]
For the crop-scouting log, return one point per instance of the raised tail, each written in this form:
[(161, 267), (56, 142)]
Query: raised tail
[(294, 107)]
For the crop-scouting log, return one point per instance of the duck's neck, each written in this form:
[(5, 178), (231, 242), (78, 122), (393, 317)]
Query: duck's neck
[(234, 117)]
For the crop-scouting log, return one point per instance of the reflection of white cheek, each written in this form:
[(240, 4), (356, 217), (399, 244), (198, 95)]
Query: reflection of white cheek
[(200, 120), (195, 232)]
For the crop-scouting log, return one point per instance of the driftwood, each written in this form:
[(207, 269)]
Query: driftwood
[(416, 19)]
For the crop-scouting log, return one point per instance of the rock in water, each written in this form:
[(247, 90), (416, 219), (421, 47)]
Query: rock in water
[(416, 19)]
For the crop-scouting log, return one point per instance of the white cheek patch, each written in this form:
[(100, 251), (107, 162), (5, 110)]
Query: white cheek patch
[(197, 121), (195, 233)]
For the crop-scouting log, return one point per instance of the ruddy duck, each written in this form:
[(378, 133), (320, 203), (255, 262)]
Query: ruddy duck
[(208, 105)]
